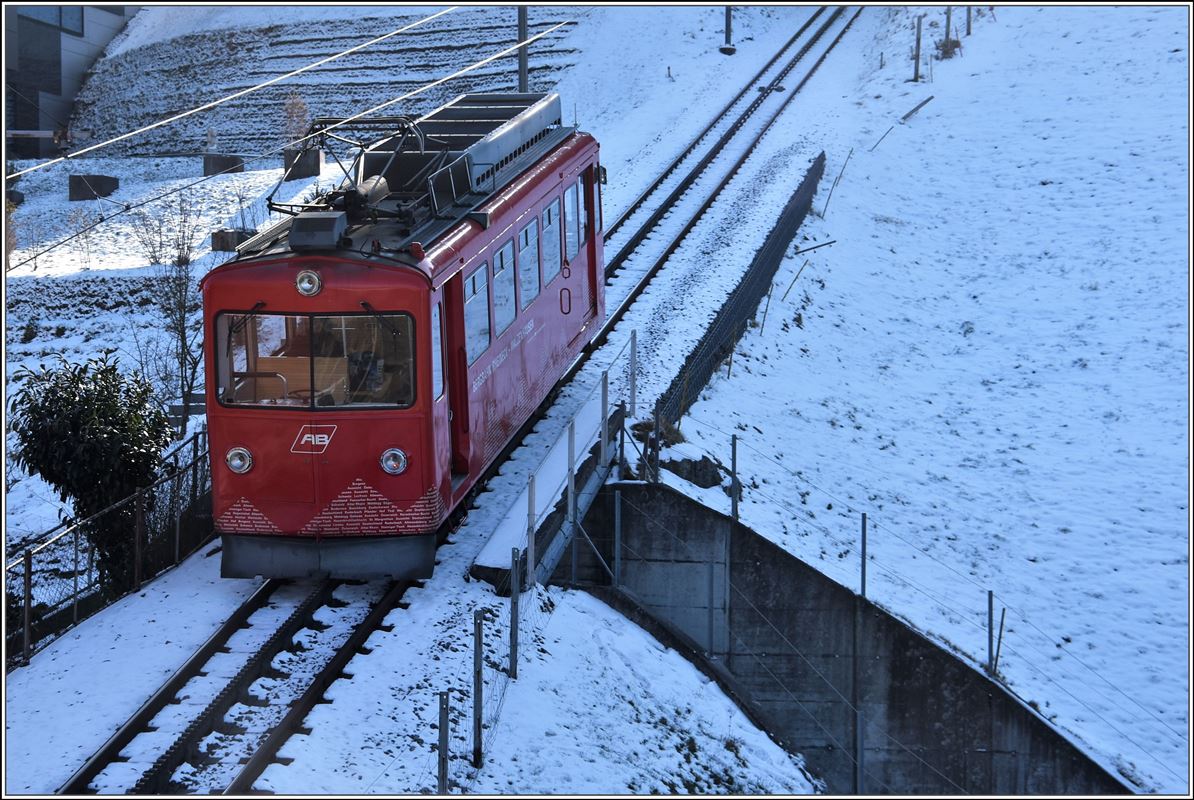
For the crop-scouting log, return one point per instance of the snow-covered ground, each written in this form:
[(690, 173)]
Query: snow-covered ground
[(992, 361), (976, 303)]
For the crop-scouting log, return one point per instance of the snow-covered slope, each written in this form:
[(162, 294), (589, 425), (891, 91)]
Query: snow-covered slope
[(992, 361), (135, 86)]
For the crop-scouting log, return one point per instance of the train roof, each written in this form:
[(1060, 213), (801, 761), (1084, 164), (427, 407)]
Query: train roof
[(421, 179)]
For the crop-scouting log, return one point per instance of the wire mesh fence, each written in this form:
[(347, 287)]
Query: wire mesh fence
[(83, 566), (953, 607)]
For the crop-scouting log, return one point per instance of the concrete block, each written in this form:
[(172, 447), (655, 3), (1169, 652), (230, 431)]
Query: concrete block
[(216, 164), (306, 163), (90, 187)]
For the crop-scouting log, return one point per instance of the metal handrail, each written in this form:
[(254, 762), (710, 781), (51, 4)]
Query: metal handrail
[(80, 523)]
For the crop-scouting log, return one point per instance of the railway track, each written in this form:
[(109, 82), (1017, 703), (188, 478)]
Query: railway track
[(221, 719)]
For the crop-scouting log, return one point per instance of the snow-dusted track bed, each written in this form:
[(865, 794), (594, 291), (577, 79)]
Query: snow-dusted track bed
[(234, 696)]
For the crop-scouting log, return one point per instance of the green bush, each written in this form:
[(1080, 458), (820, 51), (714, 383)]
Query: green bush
[(96, 437)]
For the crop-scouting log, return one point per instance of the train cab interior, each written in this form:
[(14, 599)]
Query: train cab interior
[(316, 360)]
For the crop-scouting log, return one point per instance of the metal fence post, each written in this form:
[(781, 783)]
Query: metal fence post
[(734, 476), (572, 471), (916, 56), (633, 373), (604, 417), (194, 468), (138, 536), (478, 685), (28, 603), (990, 631), (864, 554), (622, 440), (532, 578), (654, 458), (514, 592), (75, 600), (442, 778), (522, 51), (617, 538)]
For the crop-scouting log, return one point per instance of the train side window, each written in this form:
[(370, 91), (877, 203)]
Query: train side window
[(600, 204), (528, 263), (504, 304), (582, 215), (571, 229), (476, 312), (551, 241), (437, 353)]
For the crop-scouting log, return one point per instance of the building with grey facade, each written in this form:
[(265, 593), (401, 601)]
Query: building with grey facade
[(47, 52)]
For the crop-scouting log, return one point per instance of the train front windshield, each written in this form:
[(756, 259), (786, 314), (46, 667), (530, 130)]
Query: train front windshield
[(316, 361)]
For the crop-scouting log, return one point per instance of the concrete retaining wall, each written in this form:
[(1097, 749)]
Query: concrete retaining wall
[(782, 637)]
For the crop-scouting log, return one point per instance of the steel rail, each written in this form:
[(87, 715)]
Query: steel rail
[(696, 140), (156, 780), (645, 230), (616, 316), (139, 722), (266, 753)]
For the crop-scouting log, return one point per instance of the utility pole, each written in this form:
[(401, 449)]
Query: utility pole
[(522, 51), (728, 48)]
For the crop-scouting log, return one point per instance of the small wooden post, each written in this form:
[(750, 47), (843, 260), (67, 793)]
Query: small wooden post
[(442, 778), (948, 25), (478, 685), (967, 20), (514, 592), (916, 56)]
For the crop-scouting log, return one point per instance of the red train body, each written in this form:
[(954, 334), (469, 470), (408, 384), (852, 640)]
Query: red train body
[(360, 381)]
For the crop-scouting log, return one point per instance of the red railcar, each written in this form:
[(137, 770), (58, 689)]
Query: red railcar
[(368, 358)]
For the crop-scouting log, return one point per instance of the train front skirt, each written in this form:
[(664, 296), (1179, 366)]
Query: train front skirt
[(408, 557)]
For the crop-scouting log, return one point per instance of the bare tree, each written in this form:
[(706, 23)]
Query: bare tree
[(167, 238), (297, 118)]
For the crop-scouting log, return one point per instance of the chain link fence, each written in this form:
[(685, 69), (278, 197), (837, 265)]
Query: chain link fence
[(81, 567)]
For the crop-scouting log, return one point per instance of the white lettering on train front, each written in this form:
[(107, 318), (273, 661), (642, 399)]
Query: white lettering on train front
[(313, 439)]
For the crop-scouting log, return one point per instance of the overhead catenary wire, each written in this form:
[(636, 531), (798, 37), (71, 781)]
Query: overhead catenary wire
[(233, 96), (276, 150)]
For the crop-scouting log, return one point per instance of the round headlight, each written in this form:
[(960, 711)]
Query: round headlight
[(239, 460), (308, 283), (393, 461)]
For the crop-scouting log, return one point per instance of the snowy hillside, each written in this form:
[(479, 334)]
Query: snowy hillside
[(992, 361), (139, 84)]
